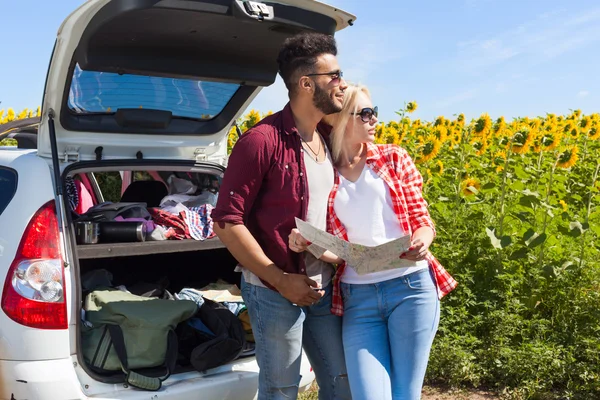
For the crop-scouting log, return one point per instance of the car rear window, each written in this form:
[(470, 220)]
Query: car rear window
[(94, 92), (8, 187)]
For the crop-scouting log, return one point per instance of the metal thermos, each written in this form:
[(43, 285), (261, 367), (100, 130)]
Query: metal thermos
[(87, 232), (126, 231)]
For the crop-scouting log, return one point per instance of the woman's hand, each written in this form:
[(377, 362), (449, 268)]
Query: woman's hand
[(297, 243), (419, 245)]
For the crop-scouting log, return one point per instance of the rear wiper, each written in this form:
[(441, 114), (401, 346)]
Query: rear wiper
[(143, 118)]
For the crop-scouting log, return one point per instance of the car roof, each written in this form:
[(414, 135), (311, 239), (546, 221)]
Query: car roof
[(24, 131)]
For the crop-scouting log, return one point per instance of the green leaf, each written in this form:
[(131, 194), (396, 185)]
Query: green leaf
[(476, 215), (528, 192), (549, 271), (576, 229), (505, 241), (495, 241), (528, 201), (537, 240), (517, 185), (520, 173), (522, 216), (519, 254), (528, 235), (488, 186)]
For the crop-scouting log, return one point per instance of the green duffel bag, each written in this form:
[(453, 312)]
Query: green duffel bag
[(125, 332)]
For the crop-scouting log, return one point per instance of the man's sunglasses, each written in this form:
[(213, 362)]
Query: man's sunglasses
[(367, 114), (335, 75)]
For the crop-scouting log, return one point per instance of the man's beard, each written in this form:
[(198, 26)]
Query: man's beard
[(324, 103)]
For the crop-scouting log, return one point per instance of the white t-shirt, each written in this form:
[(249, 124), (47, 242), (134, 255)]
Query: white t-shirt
[(319, 176), (365, 209)]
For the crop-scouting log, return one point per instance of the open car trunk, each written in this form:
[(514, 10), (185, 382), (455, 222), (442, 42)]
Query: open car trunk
[(175, 271), (139, 266)]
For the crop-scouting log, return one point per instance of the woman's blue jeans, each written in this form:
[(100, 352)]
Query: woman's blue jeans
[(388, 330)]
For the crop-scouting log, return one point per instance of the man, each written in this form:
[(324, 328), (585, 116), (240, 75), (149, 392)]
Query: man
[(279, 170)]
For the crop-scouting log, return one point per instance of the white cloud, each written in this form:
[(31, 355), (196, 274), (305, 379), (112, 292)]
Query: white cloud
[(550, 35), (583, 93)]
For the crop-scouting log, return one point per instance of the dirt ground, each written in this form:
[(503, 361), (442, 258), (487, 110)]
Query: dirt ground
[(433, 393), (429, 393)]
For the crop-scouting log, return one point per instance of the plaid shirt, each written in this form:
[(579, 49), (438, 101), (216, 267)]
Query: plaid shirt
[(392, 164)]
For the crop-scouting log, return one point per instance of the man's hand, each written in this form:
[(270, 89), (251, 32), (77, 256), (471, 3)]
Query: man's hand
[(296, 241), (298, 289)]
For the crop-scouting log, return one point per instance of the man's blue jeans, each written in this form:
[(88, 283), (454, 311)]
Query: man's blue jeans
[(388, 331), (281, 329)]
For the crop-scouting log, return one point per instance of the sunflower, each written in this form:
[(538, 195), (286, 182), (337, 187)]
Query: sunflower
[(441, 132), (585, 124), (480, 146), (439, 168), (380, 131), (563, 204), (550, 140), (576, 114), (456, 137), (570, 129), (430, 148), (535, 124), (461, 119), (470, 187), (392, 135), (594, 132), (483, 124), (499, 169), (499, 157), (411, 107), (499, 126), (439, 121), (536, 143), (567, 157), (522, 140)]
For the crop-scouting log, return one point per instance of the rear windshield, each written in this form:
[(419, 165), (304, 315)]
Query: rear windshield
[(94, 92), (8, 187)]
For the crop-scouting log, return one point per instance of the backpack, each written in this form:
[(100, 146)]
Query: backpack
[(129, 333), (215, 336), (108, 211)]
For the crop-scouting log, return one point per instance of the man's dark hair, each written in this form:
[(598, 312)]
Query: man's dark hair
[(299, 54)]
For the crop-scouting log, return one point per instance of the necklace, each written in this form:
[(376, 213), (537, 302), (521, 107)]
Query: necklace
[(310, 148), (352, 162)]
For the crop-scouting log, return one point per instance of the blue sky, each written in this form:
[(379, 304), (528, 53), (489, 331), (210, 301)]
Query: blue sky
[(504, 57)]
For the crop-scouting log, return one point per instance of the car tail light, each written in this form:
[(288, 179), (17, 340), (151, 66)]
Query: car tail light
[(34, 293)]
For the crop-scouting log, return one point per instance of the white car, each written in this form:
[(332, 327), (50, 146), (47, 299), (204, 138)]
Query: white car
[(134, 87)]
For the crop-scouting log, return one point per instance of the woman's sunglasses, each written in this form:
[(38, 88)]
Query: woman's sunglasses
[(367, 114)]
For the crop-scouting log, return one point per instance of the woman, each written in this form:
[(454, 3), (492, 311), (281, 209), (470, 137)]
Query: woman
[(390, 316)]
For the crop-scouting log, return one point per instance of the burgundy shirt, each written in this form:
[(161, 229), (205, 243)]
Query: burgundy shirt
[(265, 187)]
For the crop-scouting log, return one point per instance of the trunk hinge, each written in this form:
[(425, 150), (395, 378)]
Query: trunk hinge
[(70, 154), (200, 154)]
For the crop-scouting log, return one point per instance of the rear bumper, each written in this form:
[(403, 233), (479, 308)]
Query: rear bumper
[(39, 380), (64, 379)]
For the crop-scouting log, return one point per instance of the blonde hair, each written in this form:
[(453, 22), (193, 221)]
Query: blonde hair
[(340, 121)]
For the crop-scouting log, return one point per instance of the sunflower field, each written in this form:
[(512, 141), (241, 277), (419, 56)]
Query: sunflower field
[(516, 207), (517, 211)]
